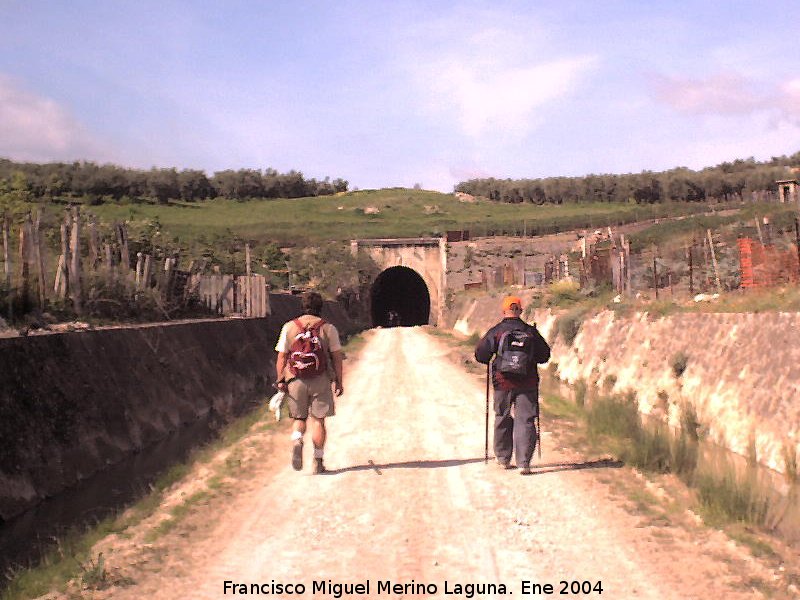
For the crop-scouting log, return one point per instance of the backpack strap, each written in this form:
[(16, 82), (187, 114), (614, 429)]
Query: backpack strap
[(318, 325)]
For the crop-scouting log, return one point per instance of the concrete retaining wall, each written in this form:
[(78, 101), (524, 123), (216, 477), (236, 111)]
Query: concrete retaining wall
[(72, 404)]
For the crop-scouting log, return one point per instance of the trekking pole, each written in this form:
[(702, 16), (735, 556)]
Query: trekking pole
[(539, 436), (486, 438)]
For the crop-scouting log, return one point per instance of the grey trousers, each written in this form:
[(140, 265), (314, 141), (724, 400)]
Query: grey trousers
[(517, 433)]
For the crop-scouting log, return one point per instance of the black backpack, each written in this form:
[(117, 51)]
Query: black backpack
[(515, 353)]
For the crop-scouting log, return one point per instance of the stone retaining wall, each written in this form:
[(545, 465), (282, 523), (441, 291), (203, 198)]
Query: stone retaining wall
[(72, 404)]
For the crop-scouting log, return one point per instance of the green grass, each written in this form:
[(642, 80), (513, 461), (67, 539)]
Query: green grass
[(556, 407), (771, 299), (680, 232), (402, 212), (726, 495), (177, 514), (64, 562), (758, 547)]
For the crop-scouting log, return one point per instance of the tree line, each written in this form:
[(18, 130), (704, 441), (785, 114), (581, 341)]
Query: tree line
[(739, 180), (110, 183)]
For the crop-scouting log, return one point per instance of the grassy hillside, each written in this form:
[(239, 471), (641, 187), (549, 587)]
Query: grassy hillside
[(394, 212)]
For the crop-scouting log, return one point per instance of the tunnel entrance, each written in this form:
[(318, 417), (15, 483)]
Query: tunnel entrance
[(400, 298)]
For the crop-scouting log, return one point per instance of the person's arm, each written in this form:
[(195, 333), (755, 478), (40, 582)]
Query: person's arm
[(280, 367), (541, 347), (337, 357), (281, 347), (338, 383), (485, 348)]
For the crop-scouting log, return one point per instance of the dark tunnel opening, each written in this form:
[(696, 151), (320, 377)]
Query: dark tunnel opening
[(400, 298)]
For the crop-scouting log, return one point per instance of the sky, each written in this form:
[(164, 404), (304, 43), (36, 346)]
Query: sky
[(401, 92)]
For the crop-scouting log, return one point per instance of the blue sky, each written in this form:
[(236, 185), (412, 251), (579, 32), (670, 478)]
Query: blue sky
[(404, 92)]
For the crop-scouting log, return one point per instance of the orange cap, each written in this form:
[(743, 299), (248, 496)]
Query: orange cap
[(509, 301)]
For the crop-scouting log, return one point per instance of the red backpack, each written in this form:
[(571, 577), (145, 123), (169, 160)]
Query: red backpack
[(307, 356)]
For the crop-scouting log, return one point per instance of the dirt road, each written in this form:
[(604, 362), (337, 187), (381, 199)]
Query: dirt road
[(410, 501)]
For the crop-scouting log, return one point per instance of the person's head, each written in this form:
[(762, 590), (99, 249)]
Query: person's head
[(312, 303), (512, 306)]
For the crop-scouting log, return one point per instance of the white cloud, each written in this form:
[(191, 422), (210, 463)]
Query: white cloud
[(35, 128), (720, 94), (489, 97), (491, 81), (789, 100), (730, 94)]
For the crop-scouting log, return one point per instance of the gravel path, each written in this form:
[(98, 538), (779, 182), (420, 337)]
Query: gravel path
[(411, 502)]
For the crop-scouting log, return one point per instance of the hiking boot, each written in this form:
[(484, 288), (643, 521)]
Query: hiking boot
[(319, 467), (505, 464), (525, 470), (297, 456)]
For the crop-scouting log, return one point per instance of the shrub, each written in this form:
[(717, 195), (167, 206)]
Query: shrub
[(679, 362), (651, 449), (789, 452), (564, 293), (580, 392), (685, 456), (690, 426), (727, 495), (568, 326), (614, 416)]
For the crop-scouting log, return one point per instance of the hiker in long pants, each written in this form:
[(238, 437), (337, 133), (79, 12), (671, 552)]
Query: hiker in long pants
[(309, 361), (516, 347)]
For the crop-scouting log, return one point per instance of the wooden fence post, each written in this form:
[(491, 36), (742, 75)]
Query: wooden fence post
[(94, 244), (655, 273), (7, 262), (61, 287), (75, 263), (758, 229), (627, 249), (707, 262), (714, 260), (139, 269), (797, 242), (124, 254), (248, 286), (107, 257), (25, 260), (147, 271), (36, 240)]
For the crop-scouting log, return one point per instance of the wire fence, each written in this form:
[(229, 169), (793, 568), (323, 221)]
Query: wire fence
[(709, 263)]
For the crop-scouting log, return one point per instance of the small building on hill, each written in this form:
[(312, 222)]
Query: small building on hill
[(787, 190)]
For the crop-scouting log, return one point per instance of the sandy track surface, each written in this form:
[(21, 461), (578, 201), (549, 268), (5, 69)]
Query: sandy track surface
[(410, 500)]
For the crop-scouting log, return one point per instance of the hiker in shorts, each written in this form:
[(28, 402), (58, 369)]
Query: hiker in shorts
[(309, 362), (515, 379)]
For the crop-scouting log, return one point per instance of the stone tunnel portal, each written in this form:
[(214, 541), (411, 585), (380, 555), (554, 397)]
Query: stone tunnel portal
[(399, 298)]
